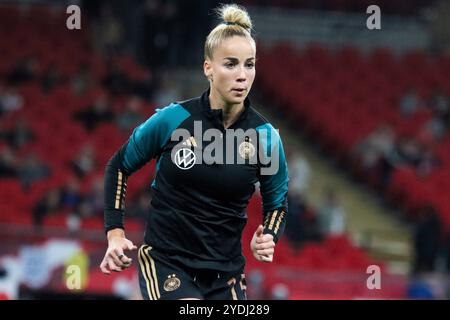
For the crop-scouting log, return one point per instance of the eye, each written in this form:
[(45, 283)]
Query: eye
[(250, 65), (229, 65)]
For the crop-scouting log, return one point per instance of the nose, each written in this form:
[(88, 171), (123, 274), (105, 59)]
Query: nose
[(242, 75)]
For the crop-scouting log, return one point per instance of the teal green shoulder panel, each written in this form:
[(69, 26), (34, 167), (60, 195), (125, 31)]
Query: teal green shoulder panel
[(148, 139), (274, 173)]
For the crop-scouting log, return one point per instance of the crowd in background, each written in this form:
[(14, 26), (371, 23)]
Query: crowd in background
[(383, 151), (153, 31)]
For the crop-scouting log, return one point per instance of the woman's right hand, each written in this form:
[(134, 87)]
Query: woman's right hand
[(115, 259)]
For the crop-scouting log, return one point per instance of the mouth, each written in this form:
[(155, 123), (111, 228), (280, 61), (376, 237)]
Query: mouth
[(239, 90)]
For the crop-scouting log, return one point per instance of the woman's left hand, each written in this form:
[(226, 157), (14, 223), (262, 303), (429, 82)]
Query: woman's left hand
[(262, 245)]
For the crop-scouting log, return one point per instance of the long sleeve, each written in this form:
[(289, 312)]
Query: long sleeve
[(273, 180), (145, 143)]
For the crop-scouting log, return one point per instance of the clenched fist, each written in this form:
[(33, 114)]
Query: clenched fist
[(262, 245)]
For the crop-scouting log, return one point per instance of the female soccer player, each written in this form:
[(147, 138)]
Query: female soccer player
[(202, 187)]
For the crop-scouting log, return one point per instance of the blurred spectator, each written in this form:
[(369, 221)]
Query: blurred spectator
[(93, 202), (167, 43), (167, 92), (84, 163), (256, 285), (82, 82), (97, 113), (196, 15), (434, 130), (10, 100), (419, 288), (73, 222), (440, 105), (8, 163), (71, 196), (406, 152), (440, 26), (19, 135), (428, 163), (131, 117), (108, 31), (116, 81), (427, 239), (299, 173), (24, 71), (331, 216), (50, 203), (280, 291), (427, 285), (375, 146), (85, 210), (51, 78), (439, 101), (145, 87), (158, 31), (295, 231), (32, 170), (409, 103), (172, 27)]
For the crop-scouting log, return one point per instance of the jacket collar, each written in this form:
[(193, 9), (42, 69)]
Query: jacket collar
[(216, 114)]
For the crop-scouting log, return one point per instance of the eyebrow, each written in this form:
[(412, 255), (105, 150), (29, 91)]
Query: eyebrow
[(232, 59)]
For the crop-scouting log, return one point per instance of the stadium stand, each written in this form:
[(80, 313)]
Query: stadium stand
[(341, 97)]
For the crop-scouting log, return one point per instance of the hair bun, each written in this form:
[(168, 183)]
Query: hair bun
[(233, 14)]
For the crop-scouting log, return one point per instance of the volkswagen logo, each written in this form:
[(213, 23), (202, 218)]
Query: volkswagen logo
[(185, 159)]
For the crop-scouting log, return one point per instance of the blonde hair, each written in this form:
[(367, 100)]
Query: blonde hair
[(236, 22)]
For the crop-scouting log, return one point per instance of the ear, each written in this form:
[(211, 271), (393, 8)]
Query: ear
[(207, 69)]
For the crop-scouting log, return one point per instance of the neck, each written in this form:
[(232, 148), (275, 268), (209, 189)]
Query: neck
[(230, 112)]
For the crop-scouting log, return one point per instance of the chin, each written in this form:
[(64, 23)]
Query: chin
[(236, 100)]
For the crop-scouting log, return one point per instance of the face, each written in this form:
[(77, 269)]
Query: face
[(232, 70)]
